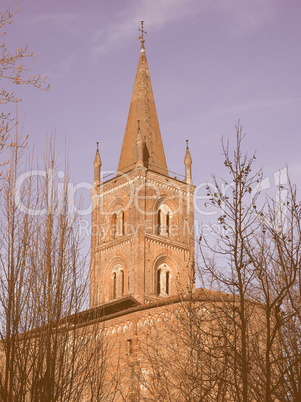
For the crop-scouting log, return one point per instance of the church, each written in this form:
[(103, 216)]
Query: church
[(142, 242), (148, 334), (142, 245), (140, 338)]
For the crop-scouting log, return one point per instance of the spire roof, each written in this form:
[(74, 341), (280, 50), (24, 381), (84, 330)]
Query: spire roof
[(97, 160), (187, 159), (143, 108)]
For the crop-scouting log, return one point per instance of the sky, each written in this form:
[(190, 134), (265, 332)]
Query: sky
[(211, 62)]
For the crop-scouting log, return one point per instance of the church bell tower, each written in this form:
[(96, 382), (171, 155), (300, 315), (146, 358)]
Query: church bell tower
[(142, 243)]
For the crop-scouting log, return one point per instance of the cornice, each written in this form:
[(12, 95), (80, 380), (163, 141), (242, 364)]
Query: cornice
[(166, 242), (148, 176), (116, 243)]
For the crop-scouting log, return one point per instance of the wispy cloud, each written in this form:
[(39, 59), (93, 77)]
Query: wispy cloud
[(241, 16), (155, 12)]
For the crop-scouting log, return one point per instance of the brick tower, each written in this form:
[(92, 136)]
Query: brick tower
[(142, 243)]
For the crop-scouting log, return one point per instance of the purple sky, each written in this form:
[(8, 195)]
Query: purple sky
[(211, 63)]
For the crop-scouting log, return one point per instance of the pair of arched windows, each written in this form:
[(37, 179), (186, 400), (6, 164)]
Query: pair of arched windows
[(164, 220), (118, 224), (163, 280), (117, 283)]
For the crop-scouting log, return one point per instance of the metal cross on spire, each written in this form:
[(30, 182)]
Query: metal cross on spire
[(142, 33)]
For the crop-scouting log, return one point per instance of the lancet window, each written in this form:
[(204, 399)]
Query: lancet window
[(163, 276), (118, 227), (118, 282), (164, 217)]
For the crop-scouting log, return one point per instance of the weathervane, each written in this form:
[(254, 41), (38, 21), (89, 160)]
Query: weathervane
[(142, 33)]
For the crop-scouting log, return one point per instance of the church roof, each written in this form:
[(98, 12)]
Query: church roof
[(128, 304), (143, 109)]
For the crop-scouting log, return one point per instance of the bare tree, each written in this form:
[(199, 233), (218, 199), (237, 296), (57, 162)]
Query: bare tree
[(277, 262), (13, 71), (48, 351), (14, 286), (238, 226), (259, 248), (239, 341)]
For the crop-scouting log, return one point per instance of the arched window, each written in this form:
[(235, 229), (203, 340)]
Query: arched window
[(163, 280), (118, 224), (114, 226), (159, 221), (167, 282), (167, 222), (122, 223), (164, 216), (158, 282), (114, 285), (118, 276), (122, 283)]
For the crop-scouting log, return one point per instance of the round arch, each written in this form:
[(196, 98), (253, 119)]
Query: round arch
[(118, 215), (165, 272), (163, 213), (115, 279)]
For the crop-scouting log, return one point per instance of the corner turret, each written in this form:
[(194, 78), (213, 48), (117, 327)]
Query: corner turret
[(97, 167), (188, 162)]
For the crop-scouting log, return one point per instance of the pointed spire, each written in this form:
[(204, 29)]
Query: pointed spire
[(97, 160), (97, 166), (188, 162), (143, 108), (187, 159)]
